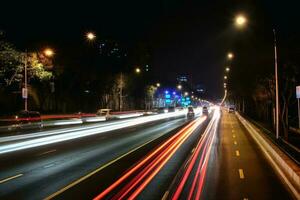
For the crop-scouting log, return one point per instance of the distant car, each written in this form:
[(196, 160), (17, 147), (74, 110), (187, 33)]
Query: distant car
[(190, 113), (205, 110), (104, 113), (231, 110), (28, 120), (171, 109), (162, 110)]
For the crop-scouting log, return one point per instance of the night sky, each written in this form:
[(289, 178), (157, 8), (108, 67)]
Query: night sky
[(186, 37)]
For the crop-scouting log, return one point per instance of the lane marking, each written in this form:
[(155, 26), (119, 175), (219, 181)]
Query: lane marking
[(235, 142), (10, 178), (97, 170), (241, 172), (50, 151), (237, 153), (232, 131), (165, 195), (233, 135), (50, 165)]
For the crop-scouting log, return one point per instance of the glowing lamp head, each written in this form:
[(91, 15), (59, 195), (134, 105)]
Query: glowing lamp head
[(240, 21), (137, 70), (230, 56), (48, 52), (90, 36)]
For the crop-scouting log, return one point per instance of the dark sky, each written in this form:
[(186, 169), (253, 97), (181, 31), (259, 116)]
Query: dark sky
[(189, 37)]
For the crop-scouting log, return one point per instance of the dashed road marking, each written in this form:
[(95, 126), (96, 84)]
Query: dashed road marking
[(10, 178), (237, 153), (241, 173), (50, 151)]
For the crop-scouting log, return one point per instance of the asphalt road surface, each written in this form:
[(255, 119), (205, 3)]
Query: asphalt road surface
[(39, 172), (237, 168)]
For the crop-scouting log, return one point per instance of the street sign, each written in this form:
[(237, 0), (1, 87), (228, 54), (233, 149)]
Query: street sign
[(24, 93), (298, 92)]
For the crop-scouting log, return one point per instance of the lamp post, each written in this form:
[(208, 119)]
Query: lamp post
[(276, 85), (48, 53), (25, 89)]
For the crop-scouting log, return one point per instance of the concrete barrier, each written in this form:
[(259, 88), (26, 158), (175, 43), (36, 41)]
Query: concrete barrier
[(286, 168)]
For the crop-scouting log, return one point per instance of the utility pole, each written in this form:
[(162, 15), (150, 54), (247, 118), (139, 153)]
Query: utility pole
[(25, 89), (276, 85), (121, 92)]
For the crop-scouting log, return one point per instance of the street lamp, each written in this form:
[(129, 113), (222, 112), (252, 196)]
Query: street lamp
[(225, 77), (186, 93), (137, 70), (227, 69), (230, 56), (240, 21), (179, 87), (157, 84), (48, 52), (90, 36)]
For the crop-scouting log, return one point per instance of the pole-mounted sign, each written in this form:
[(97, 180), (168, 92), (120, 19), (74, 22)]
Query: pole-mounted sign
[(24, 93), (298, 92)]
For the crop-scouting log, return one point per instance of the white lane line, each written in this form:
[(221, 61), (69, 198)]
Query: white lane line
[(241, 172), (50, 151), (235, 142), (10, 178), (237, 153)]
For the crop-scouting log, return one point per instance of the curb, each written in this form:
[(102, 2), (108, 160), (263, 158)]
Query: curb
[(286, 168)]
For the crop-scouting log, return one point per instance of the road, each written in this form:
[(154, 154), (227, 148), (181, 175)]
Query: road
[(210, 157), (237, 168), (38, 172)]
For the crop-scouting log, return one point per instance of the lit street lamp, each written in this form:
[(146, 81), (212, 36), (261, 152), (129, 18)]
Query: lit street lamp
[(240, 21), (157, 84), (179, 87), (225, 77), (90, 36), (227, 69), (186, 93), (48, 52), (230, 56), (137, 70)]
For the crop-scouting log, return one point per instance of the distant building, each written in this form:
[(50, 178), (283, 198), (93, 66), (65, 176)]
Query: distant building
[(182, 79), (200, 88)]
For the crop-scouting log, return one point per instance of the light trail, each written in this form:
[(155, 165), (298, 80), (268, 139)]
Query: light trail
[(204, 144), (150, 165), (21, 142)]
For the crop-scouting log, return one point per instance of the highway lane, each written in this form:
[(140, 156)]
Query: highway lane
[(237, 168), (38, 172), (161, 163)]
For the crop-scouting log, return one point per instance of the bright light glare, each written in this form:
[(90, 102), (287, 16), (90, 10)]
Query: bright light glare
[(48, 52), (55, 136), (90, 36), (240, 21), (227, 69), (137, 70), (230, 55)]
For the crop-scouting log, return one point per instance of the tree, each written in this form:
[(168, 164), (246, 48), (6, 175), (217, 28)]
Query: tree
[(289, 80)]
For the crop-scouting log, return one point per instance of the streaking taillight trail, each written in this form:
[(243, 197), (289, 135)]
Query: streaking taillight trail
[(132, 183)]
